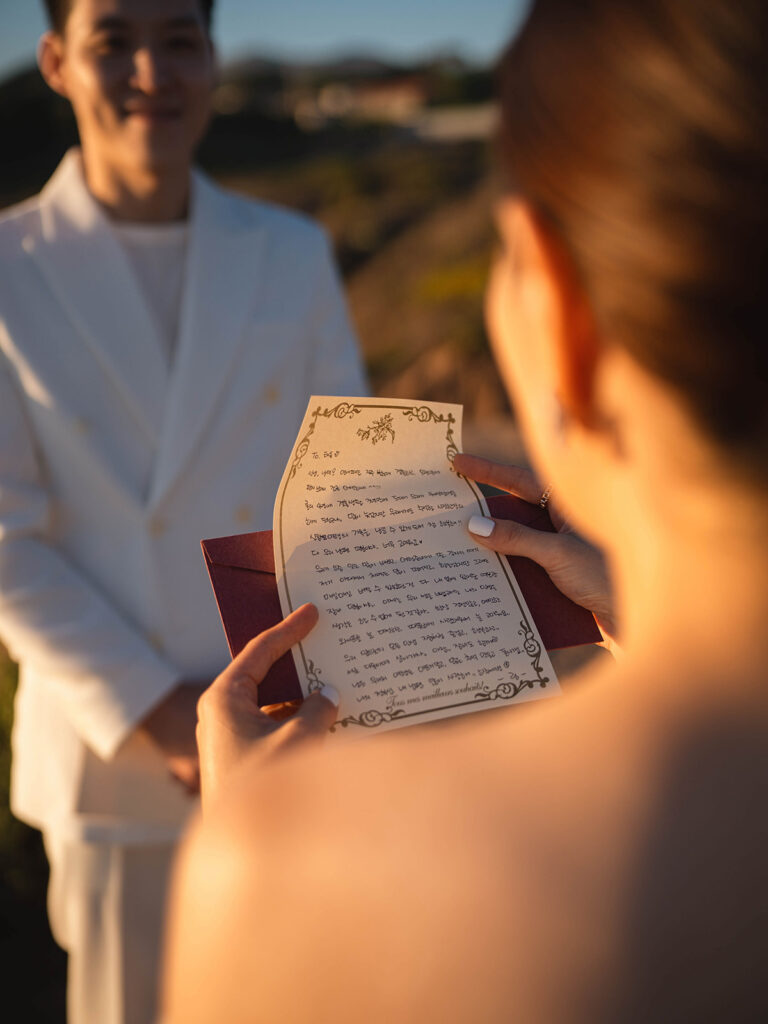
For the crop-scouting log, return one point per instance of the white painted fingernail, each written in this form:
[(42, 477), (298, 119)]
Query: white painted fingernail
[(332, 694), (481, 526)]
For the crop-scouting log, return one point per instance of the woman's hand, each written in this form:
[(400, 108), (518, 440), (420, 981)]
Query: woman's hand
[(231, 724), (575, 567)]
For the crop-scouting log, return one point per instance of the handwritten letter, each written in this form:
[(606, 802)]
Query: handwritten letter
[(417, 621)]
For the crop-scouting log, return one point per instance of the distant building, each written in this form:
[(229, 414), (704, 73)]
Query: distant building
[(359, 90), (395, 101), (392, 100)]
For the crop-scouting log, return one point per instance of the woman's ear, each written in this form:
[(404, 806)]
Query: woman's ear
[(557, 303), (50, 60)]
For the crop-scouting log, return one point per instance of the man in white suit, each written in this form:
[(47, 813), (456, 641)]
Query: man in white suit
[(159, 339)]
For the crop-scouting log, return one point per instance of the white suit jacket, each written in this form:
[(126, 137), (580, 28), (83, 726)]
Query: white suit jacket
[(112, 469)]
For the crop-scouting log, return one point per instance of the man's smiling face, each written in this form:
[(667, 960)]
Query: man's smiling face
[(139, 75)]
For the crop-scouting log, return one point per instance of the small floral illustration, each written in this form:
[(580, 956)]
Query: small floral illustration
[(379, 430)]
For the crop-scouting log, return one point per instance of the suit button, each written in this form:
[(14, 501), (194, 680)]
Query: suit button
[(157, 526), (82, 426), (156, 641), (244, 515), (272, 395)]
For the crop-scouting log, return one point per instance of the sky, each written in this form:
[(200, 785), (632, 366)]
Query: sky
[(477, 29)]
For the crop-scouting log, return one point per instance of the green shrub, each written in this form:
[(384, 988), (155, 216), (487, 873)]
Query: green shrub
[(464, 281)]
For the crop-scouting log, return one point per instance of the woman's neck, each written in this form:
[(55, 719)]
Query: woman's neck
[(694, 592), (138, 195)]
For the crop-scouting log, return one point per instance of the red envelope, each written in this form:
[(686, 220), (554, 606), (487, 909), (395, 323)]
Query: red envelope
[(242, 571)]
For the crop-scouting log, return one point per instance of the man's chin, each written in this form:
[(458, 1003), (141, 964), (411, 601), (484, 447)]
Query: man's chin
[(158, 152)]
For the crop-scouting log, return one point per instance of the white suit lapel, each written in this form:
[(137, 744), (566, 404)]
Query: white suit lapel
[(222, 272), (90, 275)]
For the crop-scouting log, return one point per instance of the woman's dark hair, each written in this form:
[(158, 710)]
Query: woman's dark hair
[(58, 12), (638, 131)]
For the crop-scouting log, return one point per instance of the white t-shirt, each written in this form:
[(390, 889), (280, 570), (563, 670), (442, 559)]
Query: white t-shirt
[(157, 253)]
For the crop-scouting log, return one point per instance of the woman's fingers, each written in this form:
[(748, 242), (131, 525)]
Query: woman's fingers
[(231, 725), (510, 538), (576, 568), (513, 479), (311, 722), (260, 654)]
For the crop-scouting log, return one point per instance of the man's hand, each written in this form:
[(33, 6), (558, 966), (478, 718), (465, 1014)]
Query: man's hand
[(574, 566), (171, 727), (231, 724)]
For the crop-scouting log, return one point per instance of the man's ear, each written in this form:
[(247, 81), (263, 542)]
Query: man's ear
[(50, 59), (561, 300)]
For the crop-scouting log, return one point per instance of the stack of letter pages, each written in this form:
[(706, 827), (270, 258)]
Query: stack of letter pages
[(417, 620)]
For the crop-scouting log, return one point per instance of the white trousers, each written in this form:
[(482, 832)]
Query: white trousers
[(106, 904)]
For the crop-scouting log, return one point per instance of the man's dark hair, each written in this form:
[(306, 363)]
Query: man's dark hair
[(58, 12)]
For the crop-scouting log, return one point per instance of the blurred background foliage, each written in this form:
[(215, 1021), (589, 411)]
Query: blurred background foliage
[(32, 967), (395, 161)]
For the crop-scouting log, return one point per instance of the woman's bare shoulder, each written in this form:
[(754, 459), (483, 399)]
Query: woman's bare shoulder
[(401, 839), (534, 829)]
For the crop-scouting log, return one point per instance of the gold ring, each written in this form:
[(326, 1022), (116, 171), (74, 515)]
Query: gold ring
[(544, 499)]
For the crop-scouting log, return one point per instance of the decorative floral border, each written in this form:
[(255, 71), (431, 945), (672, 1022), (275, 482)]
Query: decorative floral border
[(503, 692), (372, 718)]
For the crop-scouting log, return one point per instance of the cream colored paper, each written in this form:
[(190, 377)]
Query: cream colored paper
[(417, 621)]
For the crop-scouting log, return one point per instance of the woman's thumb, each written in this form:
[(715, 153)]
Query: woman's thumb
[(317, 714)]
